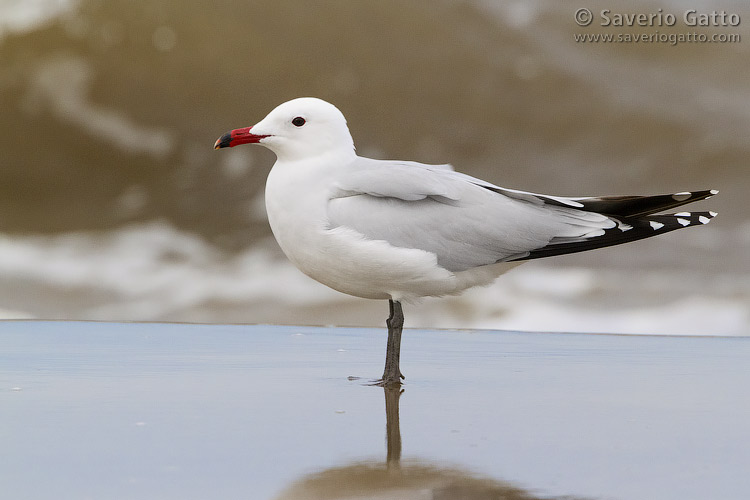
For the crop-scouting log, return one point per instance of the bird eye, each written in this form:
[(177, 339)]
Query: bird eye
[(298, 121)]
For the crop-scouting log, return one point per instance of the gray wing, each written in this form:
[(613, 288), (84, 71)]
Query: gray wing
[(464, 221)]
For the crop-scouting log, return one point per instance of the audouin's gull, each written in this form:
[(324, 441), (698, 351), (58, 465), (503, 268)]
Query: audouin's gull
[(399, 230)]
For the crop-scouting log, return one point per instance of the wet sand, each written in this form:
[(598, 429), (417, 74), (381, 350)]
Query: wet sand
[(162, 411)]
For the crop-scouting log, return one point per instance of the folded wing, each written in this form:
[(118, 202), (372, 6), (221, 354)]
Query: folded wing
[(467, 222), (459, 219)]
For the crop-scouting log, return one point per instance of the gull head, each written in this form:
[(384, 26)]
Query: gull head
[(296, 130)]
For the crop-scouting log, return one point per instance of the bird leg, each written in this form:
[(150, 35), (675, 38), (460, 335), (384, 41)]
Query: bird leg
[(392, 374)]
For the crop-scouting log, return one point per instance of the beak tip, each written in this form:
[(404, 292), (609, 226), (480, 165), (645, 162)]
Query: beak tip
[(224, 141), (237, 137)]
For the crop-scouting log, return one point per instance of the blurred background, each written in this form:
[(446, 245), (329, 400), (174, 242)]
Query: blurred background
[(114, 205)]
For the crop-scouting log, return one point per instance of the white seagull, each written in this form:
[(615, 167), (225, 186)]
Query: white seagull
[(400, 230)]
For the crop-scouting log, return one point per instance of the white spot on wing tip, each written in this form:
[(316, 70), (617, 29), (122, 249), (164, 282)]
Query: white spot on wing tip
[(684, 222), (713, 214), (682, 196), (656, 225), (714, 191)]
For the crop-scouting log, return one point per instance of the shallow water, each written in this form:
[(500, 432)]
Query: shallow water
[(128, 410)]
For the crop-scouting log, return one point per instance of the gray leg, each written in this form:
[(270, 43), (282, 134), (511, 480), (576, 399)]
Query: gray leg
[(392, 374)]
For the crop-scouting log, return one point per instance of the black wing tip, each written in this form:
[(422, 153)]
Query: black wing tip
[(690, 196), (668, 222), (615, 206), (631, 229), (640, 206)]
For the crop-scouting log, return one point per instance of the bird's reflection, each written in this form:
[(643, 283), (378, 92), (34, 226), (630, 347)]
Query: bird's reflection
[(392, 427), (397, 480)]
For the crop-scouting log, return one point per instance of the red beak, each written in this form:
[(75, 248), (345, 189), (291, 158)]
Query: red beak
[(237, 137)]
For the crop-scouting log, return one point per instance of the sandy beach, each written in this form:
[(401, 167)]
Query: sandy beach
[(162, 411)]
